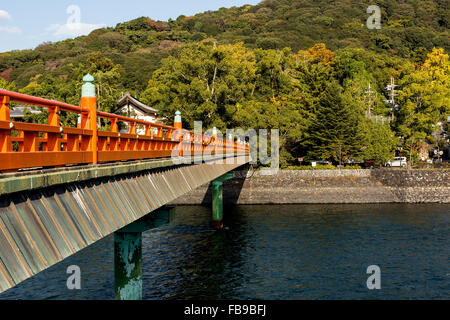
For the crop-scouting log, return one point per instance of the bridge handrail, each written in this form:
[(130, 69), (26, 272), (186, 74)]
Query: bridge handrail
[(40, 102), (41, 145), (119, 117)]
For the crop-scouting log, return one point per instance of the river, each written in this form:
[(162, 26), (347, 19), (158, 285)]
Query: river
[(274, 252)]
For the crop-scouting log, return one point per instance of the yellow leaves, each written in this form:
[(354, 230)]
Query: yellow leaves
[(240, 52), (317, 54), (274, 100), (31, 88), (425, 98), (398, 23), (7, 85), (277, 100), (437, 65), (434, 75), (246, 8), (35, 79)]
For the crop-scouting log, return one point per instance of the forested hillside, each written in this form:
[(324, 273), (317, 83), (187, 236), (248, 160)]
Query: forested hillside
[(302, 66), (408, 29)]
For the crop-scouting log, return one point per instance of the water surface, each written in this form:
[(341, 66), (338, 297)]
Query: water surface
[(274, 252)]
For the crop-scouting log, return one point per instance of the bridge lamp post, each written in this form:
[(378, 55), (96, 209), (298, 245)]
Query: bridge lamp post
[(178, 123), (89, 120), (214, 139)]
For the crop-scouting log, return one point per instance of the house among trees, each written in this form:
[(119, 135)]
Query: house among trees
[(17, 113), (131, 107)]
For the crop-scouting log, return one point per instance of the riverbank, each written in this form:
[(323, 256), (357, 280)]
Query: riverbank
[(330, 186)]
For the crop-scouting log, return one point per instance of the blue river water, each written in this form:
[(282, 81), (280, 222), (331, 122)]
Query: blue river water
[(274, 252)]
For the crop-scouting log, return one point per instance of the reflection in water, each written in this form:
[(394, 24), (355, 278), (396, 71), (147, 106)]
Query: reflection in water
[(274, 252)]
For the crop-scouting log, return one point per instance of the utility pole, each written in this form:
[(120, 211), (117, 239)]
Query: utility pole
[(370, 93), (392, 94)]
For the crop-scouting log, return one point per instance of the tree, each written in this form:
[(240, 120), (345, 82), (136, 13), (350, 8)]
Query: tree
[(277, 113), (334, 133), (107, 80), (204, 82), (379, 142), (195, 64), (317, 54), (6, 85), (424, 100)]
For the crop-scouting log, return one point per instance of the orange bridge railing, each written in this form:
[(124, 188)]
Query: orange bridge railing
[(30, 145)]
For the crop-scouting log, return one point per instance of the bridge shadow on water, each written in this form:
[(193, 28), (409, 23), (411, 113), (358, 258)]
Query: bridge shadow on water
[(231, 188), (193, 261), (200, 257)]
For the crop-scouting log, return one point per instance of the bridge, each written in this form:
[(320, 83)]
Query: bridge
[(65, 187)]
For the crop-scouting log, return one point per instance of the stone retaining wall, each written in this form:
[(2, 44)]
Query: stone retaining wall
[(331, 186)]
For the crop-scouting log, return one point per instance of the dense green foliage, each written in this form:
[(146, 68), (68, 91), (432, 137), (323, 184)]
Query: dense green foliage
[(409, 29), (320, 113), (301, 66)]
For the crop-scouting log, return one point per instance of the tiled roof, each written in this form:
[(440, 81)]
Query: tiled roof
[(129, 99)]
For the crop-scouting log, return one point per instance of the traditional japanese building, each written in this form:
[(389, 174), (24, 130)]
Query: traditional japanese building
[(133, 108)]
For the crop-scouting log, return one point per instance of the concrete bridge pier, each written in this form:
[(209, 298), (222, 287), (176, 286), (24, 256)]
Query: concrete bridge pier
[(128, 253), (217, 200)]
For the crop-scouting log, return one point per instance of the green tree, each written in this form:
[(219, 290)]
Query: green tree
[(334, 133), (204, 82), (379, 142)]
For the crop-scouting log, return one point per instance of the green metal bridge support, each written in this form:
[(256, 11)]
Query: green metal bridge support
[(217, 200), (128, 253)]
